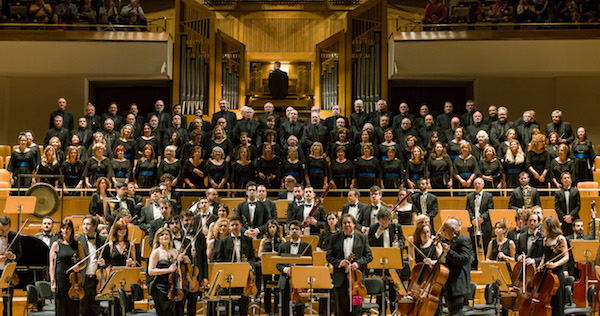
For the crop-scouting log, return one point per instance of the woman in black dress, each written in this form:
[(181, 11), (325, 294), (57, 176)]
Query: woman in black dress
[(270, 244), (365, 137), (242, 170), (343, 139), (511, 135), (555, 244), (219, 138), (404, 212), (196, 139), (330, 229), (121, 166), (55, 142), (416, 168), (193, 170), (170, 165), (98, 138), (584, 155), (99, 198), (145, 171), (562, 163), (492, 171), (176, 142), (217, 169), (514, 164), (409, 145), (552, 146), (341, 169), (22, 161), (440, 167), (163, 262), (122, 251), (423, 240), (64, 253), (292, 166), (538, 162), (128, 142), (391, 171), (466, 167), (49, 166), (366, 168), (387, 143), (270, 137), (147, 139), (316, 167), (72, 170), (97, 166), (455, 144), (501, 248), (81, 149), (482, 142), (433, 140), (267, 168)]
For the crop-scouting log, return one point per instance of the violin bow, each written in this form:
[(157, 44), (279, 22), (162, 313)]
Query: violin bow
[(129, 252), (317, 204), (84, 259), (17, 235), (416, 248), (305, 249)]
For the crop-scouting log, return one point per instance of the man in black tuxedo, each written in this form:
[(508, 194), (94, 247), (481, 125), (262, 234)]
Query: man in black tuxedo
[(289, 182), (457, 258), (204, 217), (261, 196), (278, 82), (524, 196), (296, 247), (90, 241), (46, 234), (339, 249), (64, 113), (157, 223), (356, 208), (370, 214), (295, 203), (150, 211), (359, 117), (479, 204), (386, 234), (520, 220), (224, 112), (567, 203), (7, 236), (235, 248), (562, 128), (530, 243), (315, 222), (253, 213), (578, 234), (425, 203), (122, 202)]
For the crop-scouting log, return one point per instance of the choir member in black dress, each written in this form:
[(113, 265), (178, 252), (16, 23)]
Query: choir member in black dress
[(567, 203), (338, 253), (501, 248), (121, 166), (455, 144), (270, 138), (72, 170), (342, 170), (176, 142), (504, 146), (538, 161), (56, 143), (366, 168), (196, 139), (128, 142), (562, 163), (317, 169), (328, 231), (64, 253), (343, 138), (163, 261), (147, 138), (193, 170), (392, 171), (75, 142), (388, 142), (97, 166), (555, 244), (217, 169), (466, 167), (433, 139), (552, 146), (409, 145), (22, 161), (416, 168), (145, 171), (32, 145), (440, 168), (365, 138), (492, 170), (242, 169), (479, 147), (170, 165), (219, 230), (514, 164), (99, 198), (48, 166), (98, 138), (583, 152), (270, 242), (219, 138), (267, 168), (292, 166), (245, 142)]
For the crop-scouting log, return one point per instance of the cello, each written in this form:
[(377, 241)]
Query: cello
[(587, 273)]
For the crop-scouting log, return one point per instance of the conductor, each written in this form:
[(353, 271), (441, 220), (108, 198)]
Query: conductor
[(278, 82)]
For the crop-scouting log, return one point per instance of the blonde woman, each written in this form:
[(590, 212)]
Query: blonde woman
[(538, 161), (317, 168), (98, 166), (49, 166), (514, 164), (220, 230), (217, 169)]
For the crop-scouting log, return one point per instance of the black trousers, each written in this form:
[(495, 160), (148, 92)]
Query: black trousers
[(242, 302), (297, 307), (483, 239), (455, 305), (269, 306), (191, 301), (390, 296), (88, 305), (8, 301), (342, 299)]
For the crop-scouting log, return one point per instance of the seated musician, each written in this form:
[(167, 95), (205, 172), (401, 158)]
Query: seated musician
[(8, 255), (339, 250), (253, 213), (131, 194), (386, 234), (90, 241), (520, 219), (224, 252), (270, 242), (113, 208), (524, 196), (165, 213), (456, 256), (529, 245), (501, 248), (296, 247), (315, 222), (164, 260), (577, 235), (46, 234)]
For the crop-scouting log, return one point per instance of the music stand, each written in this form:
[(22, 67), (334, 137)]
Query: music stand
[(408, 230), (584, 251), (385, 258), (463, 215), (497, 272), (5, 283), (136, 233), (20, 205), (311, 278), (230, 275), (292, 260)]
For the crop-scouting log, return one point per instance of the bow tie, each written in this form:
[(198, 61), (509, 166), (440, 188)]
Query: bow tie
[(178, 238), (530, 234), (307, 205), (48, 235), (91, 238), (352, 205), (205, 215), (347, 236), (374, 207), (252, 203), (295, 244), (235, 237)]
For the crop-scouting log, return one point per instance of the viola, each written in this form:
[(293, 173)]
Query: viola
[(193, 285), (76, 291), (250, 289), (176, 292)]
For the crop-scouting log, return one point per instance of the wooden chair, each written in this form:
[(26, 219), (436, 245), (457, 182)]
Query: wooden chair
[(588, 185), (5, 150), (4, 185), (282, 206), (4, 175)]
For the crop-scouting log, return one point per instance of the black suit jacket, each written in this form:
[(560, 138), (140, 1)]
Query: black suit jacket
[(458, 261), (229, 116), (110, 217), (271, 208), (286, 248), (146, 217), (63, 134), (261, 216), (282, 195), (155, 225), (319, 216), (223, 251), (287, 129), (201, 261), (432, 204), (536, 251), (117, 119), (487, 203), (67, 119), (249, 126), (16, 246), (563, 129), (560, 203), (367, 215), (262, 120), (516, 198), (53, 238), (100, 241), (198, 221), (360, 218), (315, 133), (278, 84), (335, 255), (358, 120), (395, 232)]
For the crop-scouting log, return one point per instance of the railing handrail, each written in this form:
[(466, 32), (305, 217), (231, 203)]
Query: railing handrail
[(494, 24), (71, 26)]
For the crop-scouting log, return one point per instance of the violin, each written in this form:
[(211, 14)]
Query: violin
[(250, 289), (76, 291), (357, 288), (193, 285), (176, 292)]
